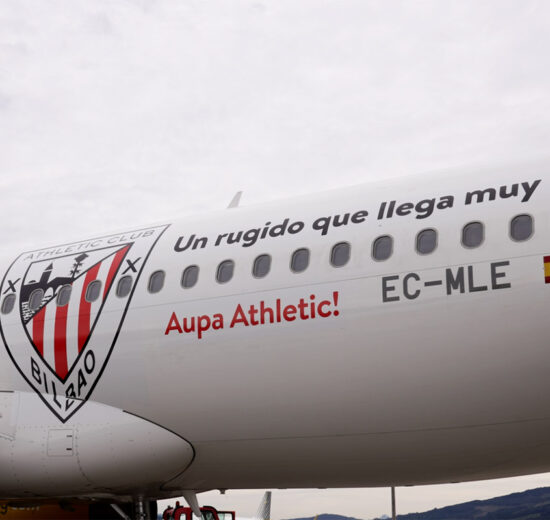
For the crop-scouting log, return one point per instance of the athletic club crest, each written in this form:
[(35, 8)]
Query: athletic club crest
[(62, 309)]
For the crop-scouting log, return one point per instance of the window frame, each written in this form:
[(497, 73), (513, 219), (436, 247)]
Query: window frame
[(10, 296), (31, 295), (532, 227), (392, 249), (57, 304), (118, 286), (341, 243), (183, 276), (227, 260), (96, 282), (158, 271), (418, 236), (308, 260), (482, 234), (254, 265)]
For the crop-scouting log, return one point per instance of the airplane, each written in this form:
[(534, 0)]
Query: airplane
[(387, 334)]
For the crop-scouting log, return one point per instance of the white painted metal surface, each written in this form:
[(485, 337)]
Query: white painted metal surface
[(418, 369)]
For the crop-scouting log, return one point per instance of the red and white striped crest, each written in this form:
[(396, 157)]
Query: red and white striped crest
[(69, 303), (60, 333)]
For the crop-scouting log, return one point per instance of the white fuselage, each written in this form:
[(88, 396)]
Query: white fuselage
[(416, 369)]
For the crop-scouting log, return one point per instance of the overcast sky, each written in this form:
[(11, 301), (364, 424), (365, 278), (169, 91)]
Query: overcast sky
[(117, 113)]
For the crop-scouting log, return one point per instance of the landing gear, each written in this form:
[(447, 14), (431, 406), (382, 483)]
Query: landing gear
[(141, 509), (144, 510), (393, 513)]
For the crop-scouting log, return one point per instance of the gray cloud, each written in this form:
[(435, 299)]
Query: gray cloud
[(116, 113)]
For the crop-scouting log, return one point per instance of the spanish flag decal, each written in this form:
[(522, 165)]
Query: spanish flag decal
[(547, 269)]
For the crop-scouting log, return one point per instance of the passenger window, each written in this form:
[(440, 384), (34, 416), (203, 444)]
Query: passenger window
[(426, 241), (190, 276), (472, 234), (93, 290), (300, 260), (225, 271), (382, 248), (156, 282), (35, 300), (8, 303), (261, 266), (340, 254), (521, 227), (64, 295), (124, 286)]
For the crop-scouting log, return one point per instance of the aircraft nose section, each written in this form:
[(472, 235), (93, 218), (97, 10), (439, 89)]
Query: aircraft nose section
[(130, 449), (101, 451)]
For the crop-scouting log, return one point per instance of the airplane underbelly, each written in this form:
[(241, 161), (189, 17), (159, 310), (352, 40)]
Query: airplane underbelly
[(399, 458)]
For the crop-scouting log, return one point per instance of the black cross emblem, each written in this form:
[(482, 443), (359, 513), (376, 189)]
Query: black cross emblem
[(11, 286), (131, 265)]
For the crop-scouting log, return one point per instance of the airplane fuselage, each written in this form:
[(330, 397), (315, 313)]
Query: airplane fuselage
[(411, 369)]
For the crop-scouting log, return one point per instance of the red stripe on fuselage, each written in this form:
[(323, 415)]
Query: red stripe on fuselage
[(113, 269), (85, 308), (60, 341), (38, 330)]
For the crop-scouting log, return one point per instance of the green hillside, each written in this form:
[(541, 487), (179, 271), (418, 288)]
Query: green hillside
[(326, 516), (529, 505)]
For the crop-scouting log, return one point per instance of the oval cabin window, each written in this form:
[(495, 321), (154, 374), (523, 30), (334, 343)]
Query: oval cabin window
[(225, 271), (426, 241), (8, 303), (473, 234), (300, 260), (382, 248), (93, 291), (261, 266), (340, 254), (521, 227), (156, 282), (35, 299), (64, 295), (124, 286), (190, 276)]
